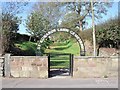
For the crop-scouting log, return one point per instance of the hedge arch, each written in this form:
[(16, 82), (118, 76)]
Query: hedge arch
[(77, 37)]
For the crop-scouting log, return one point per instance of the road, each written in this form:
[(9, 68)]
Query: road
[(59, 82)]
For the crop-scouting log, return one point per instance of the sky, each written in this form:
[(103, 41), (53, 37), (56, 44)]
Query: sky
[(25, 14), (112, 12)]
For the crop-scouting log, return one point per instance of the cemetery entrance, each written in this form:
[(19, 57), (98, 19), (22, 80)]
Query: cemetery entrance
[(60, 64)]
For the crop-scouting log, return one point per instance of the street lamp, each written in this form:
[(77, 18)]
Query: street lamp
[(93, 26)]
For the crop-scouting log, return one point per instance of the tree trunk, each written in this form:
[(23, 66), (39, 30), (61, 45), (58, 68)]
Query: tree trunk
[(98, 51), (30, 39), (81, 26), (117, 44), (34, 39)]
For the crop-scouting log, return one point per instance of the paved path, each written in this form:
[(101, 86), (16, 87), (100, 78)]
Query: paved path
[(59, 82)]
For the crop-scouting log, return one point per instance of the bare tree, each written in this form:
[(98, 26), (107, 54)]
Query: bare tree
[(82, 10)]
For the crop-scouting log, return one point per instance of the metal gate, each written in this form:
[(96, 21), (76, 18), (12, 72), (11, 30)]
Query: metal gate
[(60, 64)]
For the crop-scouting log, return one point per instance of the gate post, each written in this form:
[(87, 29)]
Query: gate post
[(49, 65), (71, 65), (7, 65)]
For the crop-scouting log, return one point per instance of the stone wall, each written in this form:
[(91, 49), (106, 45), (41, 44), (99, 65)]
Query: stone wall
[(88, 48), (95, 67), (1, 66), (108, 52), (37, 66), (29, 66)]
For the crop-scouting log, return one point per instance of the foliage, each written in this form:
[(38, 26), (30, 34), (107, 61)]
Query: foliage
[(78, 12), (86, 34), (61, 37), (10, 27), (10, 23), (37, 24), (13, 8), (43, 19), (74, 17), (50, 10), (45, 45), (109, 34), (68, 21), (23, 37), (27, 48)]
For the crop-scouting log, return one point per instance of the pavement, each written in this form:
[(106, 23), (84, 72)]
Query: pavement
[(59, 82)]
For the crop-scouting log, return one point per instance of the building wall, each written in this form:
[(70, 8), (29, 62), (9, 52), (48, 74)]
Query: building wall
[(94, 67), (29, 66)]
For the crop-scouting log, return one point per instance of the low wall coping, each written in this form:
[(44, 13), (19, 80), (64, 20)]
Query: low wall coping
[(96, 57), (31, 56)]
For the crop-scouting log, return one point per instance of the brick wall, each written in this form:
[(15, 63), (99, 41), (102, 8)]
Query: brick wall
[(1, 66), (29, 66), (94, 67)]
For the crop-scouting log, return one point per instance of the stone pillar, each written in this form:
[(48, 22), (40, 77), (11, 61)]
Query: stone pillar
[(1, 66), (7, 65)]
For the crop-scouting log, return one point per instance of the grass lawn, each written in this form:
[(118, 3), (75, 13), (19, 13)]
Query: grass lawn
[(27, 47), (71, 47), (59, 61), (56, 61), (62, 61)]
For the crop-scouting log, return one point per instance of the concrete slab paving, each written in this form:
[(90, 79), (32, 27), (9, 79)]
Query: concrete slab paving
[(59, 82)]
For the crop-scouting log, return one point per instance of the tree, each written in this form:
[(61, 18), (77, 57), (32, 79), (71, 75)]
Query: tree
[(50, 10), (10, 23), (13, 8), (78, 12), (108, 34), (68, 20), (10, 26), (44, 17), (37, 25)]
